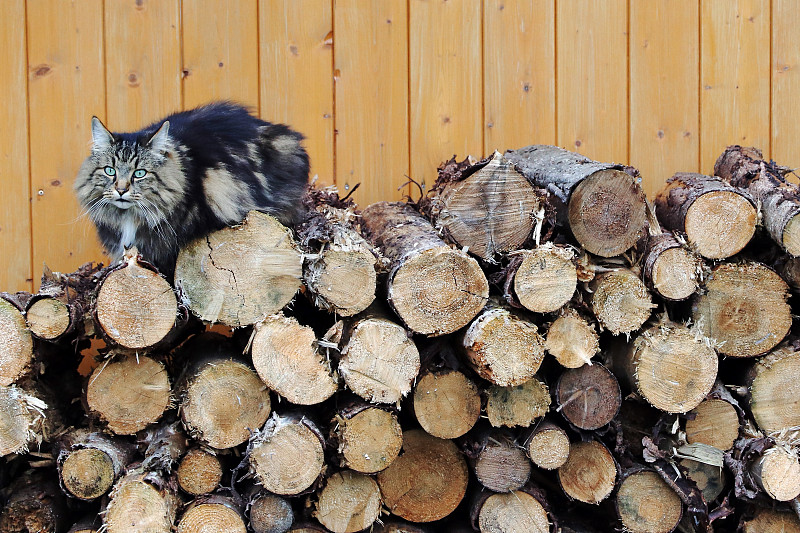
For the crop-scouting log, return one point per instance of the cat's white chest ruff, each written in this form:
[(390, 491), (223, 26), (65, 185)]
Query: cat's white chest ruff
[(128, 234)]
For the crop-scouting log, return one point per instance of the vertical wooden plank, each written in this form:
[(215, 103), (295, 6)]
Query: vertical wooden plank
[(65, 87), (226, 65), (15, 217), (734, 96), (592, 78), (445, 97), (519, 73), (785, 83), (371, 77), (143, 51), (665, 49), (296, 58)]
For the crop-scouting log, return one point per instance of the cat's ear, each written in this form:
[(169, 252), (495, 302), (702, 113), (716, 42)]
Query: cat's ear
[(159, 142), (101, 137)]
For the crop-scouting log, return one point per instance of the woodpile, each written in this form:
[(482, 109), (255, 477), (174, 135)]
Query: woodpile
[(530, 347)]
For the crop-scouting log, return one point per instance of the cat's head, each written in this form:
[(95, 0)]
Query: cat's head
[(126, 175)]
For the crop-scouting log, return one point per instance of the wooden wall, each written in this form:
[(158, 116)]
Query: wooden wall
[(386, 89)]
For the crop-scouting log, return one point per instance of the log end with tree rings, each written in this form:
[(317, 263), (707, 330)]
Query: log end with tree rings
[(349, 502), (589, 396), (590, 473), (775, 390), (519, 405), (743, 309), (620, 301), (719, 224), (715, 423), (514, 512), (48, 318), (447, 404), (546, 279), (646, 504), (607, 212), (16, 348), (237, 276)]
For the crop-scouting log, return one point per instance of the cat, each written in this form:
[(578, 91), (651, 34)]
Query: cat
[(187, 175)]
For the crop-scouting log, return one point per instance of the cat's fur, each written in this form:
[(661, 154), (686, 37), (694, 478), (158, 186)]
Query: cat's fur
[(205, 169)]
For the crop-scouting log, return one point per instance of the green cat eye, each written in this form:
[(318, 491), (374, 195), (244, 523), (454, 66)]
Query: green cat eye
[(110, 171), (139, 173)]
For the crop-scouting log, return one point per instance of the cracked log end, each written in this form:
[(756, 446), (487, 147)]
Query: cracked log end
[(237, 276), (588, 396)]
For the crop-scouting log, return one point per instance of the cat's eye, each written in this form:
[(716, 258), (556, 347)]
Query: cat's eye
[(110, 171), (139, 173)]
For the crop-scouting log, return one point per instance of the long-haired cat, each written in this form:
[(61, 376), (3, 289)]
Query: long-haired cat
[(187, 175)]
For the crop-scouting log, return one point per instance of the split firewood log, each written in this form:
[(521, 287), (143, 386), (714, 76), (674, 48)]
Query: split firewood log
[(29, 416), (717, 218), (602, 203), (349, 502), (447, 403), (238, 276), (746, 168), (212, 512), (89, 463), (432, 287)]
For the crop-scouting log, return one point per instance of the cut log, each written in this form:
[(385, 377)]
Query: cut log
[(349, 502), (237, 276), (379, 361), (135, 305), (546, 278), (369, 438), (646, 504), (620, 301), (286, 456), (588, 397), (503, 347), (547, 445), (774, 390), (16, 348), (717, 218), (141, 501), (572, 339), (446, 404), (165, 445), (35, 503), (223, 401), (128, 392), (603, 204), (488, 208), (520, 405), (432, 287), (287, 359), (49, 318), (671, 366), (743, 309), (212, 513), (499, 463), (89, 463), (514, 512), (710, 479), (771, 521), (777, 472), (23, 419), (715, 423), (269, 513), (199, 472), (427, 482), (589, 474), (745, 167), (670, 269)]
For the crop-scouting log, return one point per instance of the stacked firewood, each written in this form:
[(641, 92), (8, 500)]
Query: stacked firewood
[(530, 347)]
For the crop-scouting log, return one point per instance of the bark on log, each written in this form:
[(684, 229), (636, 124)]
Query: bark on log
[(774, 396), (135, 306), (212, 513), (24, 419), (499, 463), (165, 445), (572, 339), (588, 397), (89, 463), (488, 208), (446, 404), (427, 482), (269, 513), (368, 438), (745, 167), (517, 406), (546, 278), (513, 512), (670, 269), (547, 445), (671, 366), (48, 317), (432, 287), (717, 218), (142, 501), (128, 392), (502, 347), (16, 346), (349, 502), (237, 276), (646, 504), (199, 472), (715, 423), (710, 479), (286, 357), (286, 456), (590, 473), (743, 309), (620, 301), (35, 503), (604, 205)]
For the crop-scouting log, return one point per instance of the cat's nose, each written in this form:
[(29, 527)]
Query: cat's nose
[(122, 189)]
